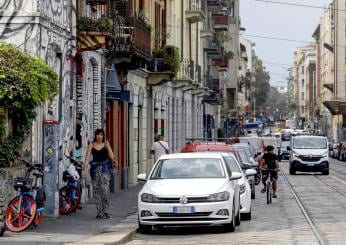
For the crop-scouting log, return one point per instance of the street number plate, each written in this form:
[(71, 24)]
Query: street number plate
[(183, 210)]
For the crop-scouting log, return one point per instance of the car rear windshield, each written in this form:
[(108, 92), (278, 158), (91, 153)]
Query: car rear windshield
[(187, 168), (255, 143), (309, 143)]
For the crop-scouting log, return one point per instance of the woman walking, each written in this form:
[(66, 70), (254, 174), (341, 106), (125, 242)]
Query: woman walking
[(100, 170)]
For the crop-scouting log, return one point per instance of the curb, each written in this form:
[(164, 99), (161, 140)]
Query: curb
[(115, 235)]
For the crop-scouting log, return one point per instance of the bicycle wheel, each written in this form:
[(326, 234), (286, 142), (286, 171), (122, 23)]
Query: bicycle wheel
[(18, 219), (69, 199), (269, 186)]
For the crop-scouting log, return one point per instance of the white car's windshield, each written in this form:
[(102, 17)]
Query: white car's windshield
[(186, 168), (309, 143)]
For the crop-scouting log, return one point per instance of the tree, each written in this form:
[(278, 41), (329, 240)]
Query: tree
[(261, 84), (26, 82)]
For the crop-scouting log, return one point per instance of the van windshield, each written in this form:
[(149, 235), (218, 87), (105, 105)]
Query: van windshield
[(309, 143)]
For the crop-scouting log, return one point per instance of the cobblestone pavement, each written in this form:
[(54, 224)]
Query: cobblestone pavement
[(283, 221)]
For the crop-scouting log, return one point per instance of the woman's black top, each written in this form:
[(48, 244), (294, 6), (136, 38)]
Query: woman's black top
[(99, 155)]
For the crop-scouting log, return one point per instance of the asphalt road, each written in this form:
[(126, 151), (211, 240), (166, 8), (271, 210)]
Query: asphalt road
[(310, 209)]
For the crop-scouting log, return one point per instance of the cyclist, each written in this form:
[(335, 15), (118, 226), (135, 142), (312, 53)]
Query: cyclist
[(269, 161)]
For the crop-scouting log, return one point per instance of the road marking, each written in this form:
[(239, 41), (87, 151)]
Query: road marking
[(337, 179)]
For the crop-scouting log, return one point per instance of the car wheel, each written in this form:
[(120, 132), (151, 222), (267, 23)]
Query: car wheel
[(292, 171), (144, 229), (326, 172), (253, 193), (246, 216), (230, 227)]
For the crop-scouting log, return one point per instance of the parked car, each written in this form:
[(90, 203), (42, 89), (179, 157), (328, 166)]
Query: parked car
[(256, 142), (335, 152), (209, 146), (189, 189), (309, 154), (245, 189), (246, 162), (283, 152)]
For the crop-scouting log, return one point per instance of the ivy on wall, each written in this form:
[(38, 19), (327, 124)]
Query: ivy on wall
[(25, 83)]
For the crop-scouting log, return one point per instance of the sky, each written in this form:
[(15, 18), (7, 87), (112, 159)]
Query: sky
[(260, 18)]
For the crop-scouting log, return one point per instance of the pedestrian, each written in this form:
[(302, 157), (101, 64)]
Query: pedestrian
[(100, 170), (160, 147)]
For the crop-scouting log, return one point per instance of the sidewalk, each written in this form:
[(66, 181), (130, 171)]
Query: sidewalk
[(82, 225)]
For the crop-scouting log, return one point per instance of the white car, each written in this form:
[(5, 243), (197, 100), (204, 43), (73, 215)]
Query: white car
[(245, 188), (189, 189)]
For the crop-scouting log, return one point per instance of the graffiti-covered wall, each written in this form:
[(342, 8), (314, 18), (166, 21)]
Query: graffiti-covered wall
[(46, 29)]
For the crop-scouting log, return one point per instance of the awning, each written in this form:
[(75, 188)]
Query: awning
[(336, 107), (121, 95), (329, 86)]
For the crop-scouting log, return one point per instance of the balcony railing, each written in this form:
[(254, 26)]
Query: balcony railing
[(212, 46), (221, 22), (188, 71), (132, 36), (222, 62), (196, 10)]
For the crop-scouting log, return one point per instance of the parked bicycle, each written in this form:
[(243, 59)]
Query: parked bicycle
[(27, 208), (70, 194)]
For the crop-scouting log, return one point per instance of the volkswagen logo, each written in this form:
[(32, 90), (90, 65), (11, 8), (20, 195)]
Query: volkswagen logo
[(183, 200)]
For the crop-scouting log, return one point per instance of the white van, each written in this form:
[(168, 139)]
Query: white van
[(309, 154)]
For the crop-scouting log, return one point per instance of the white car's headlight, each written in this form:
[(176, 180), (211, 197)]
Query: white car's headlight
[(219, 197), (145, 197), (242, 189), (325, 155)]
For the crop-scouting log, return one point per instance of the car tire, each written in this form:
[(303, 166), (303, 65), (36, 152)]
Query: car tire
[(246, 216), (292, 171), (144, 229), (230, 227), (237, 218), (326, 172), (253, 194)]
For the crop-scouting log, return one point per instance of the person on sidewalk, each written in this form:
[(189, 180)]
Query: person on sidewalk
[(100, 171), (160, 147)]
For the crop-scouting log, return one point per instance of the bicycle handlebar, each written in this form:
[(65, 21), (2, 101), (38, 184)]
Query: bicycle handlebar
[(31, 165)]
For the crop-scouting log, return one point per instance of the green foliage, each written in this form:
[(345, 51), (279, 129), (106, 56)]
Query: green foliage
[(25, 83), (103, 24), (170, 56), (261, 85), (173, 59)]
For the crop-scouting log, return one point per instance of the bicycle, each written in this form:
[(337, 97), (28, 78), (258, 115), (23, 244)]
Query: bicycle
[(269, 185), (27, 207), (70, 194)]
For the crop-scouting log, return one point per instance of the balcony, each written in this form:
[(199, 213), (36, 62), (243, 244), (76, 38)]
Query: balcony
[(214, 4), (222, 62), (132, 37), (221, 22), (190, 73), (214, 98), (207, 30), (212, 46), (196, 10)]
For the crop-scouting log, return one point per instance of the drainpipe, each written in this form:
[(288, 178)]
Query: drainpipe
[(182, 31)]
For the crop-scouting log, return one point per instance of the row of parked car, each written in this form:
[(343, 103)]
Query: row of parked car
[(338, 151), (208, 183)]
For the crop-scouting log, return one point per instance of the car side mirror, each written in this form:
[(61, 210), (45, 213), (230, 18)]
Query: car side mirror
[(289, 148), (142, 177), (246, 166), (250, 172), (236, 175)]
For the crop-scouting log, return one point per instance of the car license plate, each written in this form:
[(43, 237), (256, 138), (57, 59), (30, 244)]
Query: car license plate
[(183, 210), (310, 164)]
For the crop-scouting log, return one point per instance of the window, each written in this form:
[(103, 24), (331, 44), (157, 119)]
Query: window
[(302, 109), (302, 95), (302, 82), (302, 69)]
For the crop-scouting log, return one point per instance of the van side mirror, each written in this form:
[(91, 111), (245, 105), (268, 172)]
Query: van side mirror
[(142, 177), (289, 148)]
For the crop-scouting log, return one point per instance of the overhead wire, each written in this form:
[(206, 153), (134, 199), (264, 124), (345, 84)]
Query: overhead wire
[(299, 5)]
